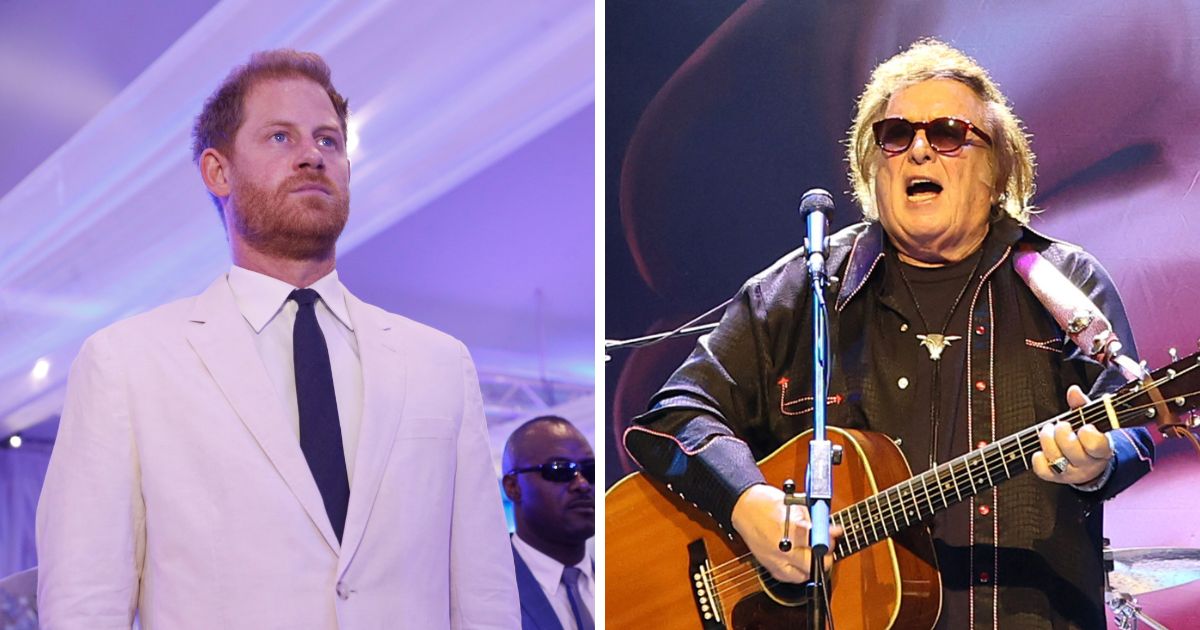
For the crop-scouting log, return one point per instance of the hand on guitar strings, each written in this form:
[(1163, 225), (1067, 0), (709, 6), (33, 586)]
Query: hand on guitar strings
[(1068, 456), (758, 517)]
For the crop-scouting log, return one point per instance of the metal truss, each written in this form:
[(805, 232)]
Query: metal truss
[(507, 397)]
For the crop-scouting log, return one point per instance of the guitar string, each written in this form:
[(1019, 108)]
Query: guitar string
[(985, 456), (750, 578), (736, 587), (957, 469), (952, 473), (891, 503), (719, 571), (1027, 435), (743, 589), (733, 585), (738, 590), (752, 571), (884, 511), (724, 569)]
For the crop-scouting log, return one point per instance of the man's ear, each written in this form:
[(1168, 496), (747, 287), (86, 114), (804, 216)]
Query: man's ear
[(511, 489), (214, 168)]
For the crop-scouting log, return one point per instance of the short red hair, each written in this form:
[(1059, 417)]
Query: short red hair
[(221, 117)]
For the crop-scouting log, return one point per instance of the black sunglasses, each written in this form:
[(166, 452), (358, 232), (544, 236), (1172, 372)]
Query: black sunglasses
[(945, 135), (562, 470)]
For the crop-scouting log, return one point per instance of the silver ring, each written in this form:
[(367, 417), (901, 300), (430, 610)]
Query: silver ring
[(1059, 465)]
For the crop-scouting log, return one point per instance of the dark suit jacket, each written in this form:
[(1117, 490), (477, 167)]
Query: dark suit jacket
[(536, 611)]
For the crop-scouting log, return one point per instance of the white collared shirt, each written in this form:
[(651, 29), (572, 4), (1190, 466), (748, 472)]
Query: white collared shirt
[(548, 573), (263, 302)]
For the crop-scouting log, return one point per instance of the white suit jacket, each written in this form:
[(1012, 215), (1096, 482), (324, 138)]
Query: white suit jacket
[(177, 487)]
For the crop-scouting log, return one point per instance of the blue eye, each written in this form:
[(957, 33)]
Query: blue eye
[(279, 136), (327, 141)]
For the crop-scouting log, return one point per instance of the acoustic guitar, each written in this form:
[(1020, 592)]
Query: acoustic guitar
[(669, 566)]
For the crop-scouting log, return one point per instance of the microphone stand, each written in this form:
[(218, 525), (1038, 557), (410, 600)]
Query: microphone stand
[(821, 453), (687, 328), (637, 342), (820, 456)]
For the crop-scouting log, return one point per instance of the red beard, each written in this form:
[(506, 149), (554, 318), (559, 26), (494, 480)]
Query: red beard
[(293, 227)]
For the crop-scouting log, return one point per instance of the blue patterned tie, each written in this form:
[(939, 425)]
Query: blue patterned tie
[(570, 579), (320, 429)]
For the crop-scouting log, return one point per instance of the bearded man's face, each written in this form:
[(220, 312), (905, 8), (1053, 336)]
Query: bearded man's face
[(289, 172)]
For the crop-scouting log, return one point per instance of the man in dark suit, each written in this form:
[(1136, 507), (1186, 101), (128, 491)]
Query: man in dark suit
[(549, 471)]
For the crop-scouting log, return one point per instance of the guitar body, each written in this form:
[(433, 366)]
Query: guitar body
[(669, 567), (653, 538)]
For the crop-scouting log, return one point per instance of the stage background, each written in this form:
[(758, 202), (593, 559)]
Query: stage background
[(720, 114)]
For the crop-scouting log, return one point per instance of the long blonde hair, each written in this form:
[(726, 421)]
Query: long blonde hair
[(932, 59)]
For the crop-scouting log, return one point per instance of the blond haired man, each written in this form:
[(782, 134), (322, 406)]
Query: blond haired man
[(936, 341)]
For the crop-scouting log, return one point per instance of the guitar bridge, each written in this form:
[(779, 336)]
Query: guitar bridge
[(704, 588)]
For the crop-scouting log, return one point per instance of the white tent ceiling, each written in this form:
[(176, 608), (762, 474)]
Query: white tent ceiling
[(472, 187)]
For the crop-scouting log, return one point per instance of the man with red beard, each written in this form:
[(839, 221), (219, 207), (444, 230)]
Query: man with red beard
[(274, 452)]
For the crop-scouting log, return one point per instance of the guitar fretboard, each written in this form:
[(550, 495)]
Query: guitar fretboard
[(912, 501)]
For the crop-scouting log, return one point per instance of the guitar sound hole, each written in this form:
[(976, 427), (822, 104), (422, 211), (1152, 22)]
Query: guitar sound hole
[(783, 594), (760, 612)]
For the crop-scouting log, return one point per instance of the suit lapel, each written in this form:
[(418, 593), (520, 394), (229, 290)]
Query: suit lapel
[(222, 339), (384, 372), (533, 599)]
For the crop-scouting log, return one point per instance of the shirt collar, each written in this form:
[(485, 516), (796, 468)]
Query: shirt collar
[(868, 249), (546, 570), (260, 297)]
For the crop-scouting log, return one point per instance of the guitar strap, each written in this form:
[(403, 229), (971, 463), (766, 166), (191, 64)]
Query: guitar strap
[(1085, 324), (1078, 316)]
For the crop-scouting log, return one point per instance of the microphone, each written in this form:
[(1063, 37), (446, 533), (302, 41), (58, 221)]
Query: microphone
[(815, 206)]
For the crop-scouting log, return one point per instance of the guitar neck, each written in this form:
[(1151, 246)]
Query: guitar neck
[(915, 500)]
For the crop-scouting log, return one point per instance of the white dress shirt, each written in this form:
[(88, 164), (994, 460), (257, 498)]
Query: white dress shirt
[(263, 302), (548, 573)]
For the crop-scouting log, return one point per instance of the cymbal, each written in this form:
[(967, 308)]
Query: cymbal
[(1145, 569)]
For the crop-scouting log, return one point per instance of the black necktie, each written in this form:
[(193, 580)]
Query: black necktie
[(320, 430)]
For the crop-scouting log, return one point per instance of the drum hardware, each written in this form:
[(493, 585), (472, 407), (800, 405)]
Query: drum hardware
[(1135, 571)]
